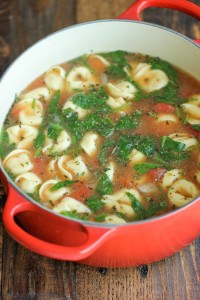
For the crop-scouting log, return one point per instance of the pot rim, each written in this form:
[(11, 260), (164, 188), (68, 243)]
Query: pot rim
[(90, 223)]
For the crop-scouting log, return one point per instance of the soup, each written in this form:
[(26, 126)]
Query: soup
[(108, 137)]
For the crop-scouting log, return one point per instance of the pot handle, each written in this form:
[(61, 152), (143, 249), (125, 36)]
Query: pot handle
[(185, 6), (16, 204)]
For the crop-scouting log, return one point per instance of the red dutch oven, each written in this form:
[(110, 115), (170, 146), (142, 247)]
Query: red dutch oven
[(47, 233)]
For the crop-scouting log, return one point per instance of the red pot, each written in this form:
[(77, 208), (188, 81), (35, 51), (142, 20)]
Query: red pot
[(47, 233)]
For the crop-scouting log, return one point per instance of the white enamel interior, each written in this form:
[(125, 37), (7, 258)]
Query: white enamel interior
[(101, 36)]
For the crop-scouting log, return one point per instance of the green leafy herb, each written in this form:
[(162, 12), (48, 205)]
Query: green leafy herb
[(35, 196), (137, 206), (155, 207), (101, 218), (143, 168), (125, 145), (94, 203), (171, 151), (5, 146), (62, 184), (169, 144), (107, 146), (163, 65), (91, 99), (73, 124), (116, 72), (105, 186), (33, 104), (53, 105), (104, 126), (129, 122), (118, 57), (146, 145), (196, 126), (75, 215), (54, 130), (39, 142)]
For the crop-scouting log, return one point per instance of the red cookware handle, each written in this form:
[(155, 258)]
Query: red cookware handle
[(14, 205), (185, 6)]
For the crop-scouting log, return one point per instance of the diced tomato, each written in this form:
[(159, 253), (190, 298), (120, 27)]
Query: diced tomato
[(126, 182), (82, 191), (15, 111), (40, 165), (157, 174), (164, 108), (96, 64)]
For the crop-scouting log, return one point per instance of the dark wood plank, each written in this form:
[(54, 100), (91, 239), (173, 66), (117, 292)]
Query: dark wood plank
[(25, 275)]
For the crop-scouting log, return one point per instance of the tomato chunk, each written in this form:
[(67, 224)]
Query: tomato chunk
[(82, 191), (157, 174), (164, 108)]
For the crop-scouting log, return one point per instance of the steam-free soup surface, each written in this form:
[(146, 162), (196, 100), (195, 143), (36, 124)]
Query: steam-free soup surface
[(109, 137)]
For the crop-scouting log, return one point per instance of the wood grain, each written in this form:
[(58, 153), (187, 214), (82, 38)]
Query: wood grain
[(26, 275)]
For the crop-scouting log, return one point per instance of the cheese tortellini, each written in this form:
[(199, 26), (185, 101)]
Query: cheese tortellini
[(38, 94), (22, 135), (184, 138), (18, 162), (149, 79), (192, 108), (62, 143), (89, 143), (55, 78), (71, 204), (182, 192), (47, 194), (69, 167), (28, 182), (30, 111), (120, 201), (80, 78)]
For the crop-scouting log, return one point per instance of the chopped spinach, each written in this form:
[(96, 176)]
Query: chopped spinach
[(155, 207), (73, 124), (53, 105), (104, 126), (146, 145), (196, 126), (105, 186), (125, 145), (171, 151), (94, 203), (116, 71), (106, 147), (137, 206), (62, 184), (142, 213), (118, 57), (5, 145), (35, 196), (100, 218), (143, 168), (91, 99), (54, 130), (129, 122), (163, 65), (75, 215)]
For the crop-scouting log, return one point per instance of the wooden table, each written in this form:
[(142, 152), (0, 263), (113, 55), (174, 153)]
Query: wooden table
[(25, 275)]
